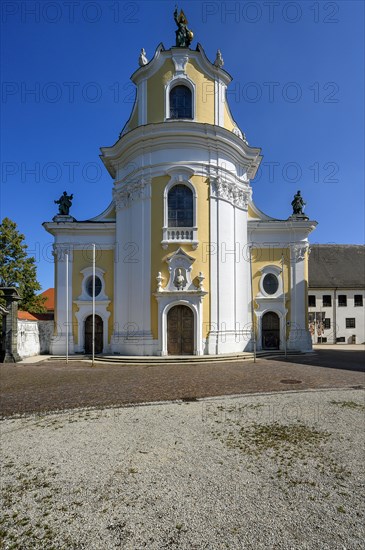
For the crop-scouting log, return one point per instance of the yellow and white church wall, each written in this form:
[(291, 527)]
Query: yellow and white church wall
[(148, 266)]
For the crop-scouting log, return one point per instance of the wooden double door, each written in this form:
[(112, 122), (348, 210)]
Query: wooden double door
[(98, 334), (270, 331), (180, 331)]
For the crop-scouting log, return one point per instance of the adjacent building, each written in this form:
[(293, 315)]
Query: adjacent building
[(336, 293)]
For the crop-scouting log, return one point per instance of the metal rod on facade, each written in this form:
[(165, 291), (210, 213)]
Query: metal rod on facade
[(252, 311), (283, 280), (93, 311), (67, 312)]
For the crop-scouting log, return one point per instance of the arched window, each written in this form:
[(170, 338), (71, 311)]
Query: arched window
[(181, 102), (180, 206)]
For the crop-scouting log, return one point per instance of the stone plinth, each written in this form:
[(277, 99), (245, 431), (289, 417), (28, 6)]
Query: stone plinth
[(10, 326), (63, 218)]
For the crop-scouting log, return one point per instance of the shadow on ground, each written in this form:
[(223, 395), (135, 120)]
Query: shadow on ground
[(333, 359)]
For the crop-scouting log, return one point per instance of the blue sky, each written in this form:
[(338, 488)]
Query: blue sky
[(298, 88)]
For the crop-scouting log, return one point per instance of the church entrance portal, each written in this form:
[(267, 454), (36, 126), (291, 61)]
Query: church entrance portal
[(98, 334), (180, 331), (270, 331)]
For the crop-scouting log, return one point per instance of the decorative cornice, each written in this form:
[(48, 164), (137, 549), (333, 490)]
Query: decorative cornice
[(186, 135), (180, 59), (131, 192), (231, 192), (60, 250), (198, 55), (298, 251)]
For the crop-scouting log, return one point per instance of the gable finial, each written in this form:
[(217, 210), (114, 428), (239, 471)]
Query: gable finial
[(219, 60), (142, 61)]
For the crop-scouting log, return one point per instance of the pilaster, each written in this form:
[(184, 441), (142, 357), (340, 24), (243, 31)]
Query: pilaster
[(299, 336), (64, 279), (229, 269), (132, 294)]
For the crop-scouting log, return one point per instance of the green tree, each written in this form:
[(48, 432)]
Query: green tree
[(17, 268)]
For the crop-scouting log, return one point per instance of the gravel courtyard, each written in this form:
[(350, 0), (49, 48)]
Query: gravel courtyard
[(279, 470)]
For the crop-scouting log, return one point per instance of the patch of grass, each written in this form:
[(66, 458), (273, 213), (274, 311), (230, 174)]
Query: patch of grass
[(259, 438), (349, 405), (294, 450)]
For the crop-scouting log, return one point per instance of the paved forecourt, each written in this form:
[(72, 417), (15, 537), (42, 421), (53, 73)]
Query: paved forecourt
[(54, 385)]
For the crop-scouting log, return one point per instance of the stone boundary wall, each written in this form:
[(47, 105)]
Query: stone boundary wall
[(34, 337)]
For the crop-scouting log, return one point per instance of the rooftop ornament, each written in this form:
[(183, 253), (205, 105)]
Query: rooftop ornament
[(142, 61), (298, 205), (219, 60), (184, 36), (64, 204)]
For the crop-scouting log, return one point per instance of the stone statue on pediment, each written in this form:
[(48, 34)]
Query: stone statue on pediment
[(298, 204), (184, 36), (64, 204)]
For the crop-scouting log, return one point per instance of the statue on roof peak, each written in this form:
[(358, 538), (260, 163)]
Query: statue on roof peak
[(184, 36), (298, 204), (64, 204)]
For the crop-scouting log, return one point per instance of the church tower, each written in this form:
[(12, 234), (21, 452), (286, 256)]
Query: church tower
[(182, 248)]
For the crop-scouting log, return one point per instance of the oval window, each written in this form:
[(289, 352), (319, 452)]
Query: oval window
[(270, 284), (89, 286)]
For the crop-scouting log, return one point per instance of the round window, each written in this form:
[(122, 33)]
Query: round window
[(270, 283), (89, 286)]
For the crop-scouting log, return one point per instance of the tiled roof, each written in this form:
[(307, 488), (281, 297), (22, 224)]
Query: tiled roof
[(49, 295), (337, 266), (26, 316), (48, 304)]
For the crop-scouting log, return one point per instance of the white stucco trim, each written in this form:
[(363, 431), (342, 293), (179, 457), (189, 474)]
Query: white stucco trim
[(273, 270), (180, 176), (142, 102), (274, 306), (167, 300), (181, 141), (88, 272), (184, 80), (219, 102), (85, 309), (197, 55)]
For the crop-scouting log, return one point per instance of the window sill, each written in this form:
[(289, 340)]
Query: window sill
[(182, 119)]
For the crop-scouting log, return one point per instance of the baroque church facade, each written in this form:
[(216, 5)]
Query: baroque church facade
[(186, 264)]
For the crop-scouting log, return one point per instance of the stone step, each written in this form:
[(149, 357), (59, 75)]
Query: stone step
[(158, 360)]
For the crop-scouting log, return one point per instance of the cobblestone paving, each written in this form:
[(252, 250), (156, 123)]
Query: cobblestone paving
[(53, 385)]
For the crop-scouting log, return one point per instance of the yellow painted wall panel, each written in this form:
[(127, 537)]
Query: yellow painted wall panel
[(156, 92), (133, 122), (159, 255), (105, 261), (262, 257), (204, 86), (252, 214), (229, 123), (205, 102)]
